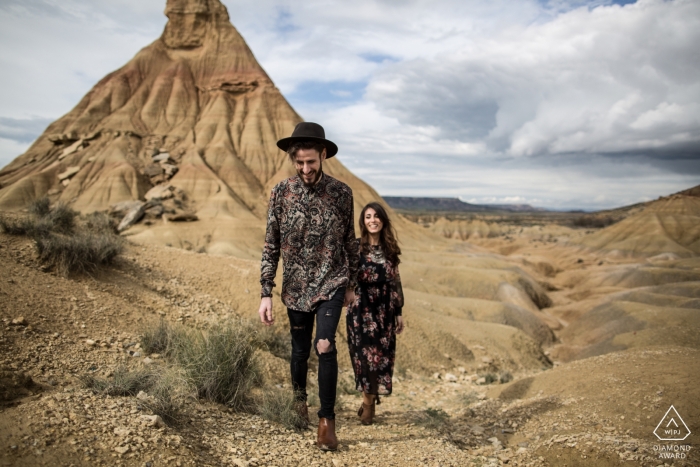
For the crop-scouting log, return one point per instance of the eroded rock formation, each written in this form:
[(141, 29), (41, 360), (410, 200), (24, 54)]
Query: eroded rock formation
[(193, 109)]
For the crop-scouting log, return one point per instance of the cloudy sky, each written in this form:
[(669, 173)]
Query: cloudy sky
[(559, 103)]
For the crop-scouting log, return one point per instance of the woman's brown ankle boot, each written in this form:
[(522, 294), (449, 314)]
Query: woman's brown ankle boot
[(366, 412)]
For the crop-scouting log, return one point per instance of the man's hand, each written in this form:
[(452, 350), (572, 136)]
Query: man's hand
[(349, 297), (399, 324), (265, 311)]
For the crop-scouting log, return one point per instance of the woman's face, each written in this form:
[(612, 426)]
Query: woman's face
[(372, 221)]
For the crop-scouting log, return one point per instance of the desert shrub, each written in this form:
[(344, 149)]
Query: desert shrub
[(434, 419), (489, 377), (220, 362), (165, 395), (61, 219), (593, 222), (505, 377), (83, 252), (124, 382), (60, 245), (100, 223), (157, 339), (278, 343), (279, 405), (40, 207), (469, 397), (161, 386)]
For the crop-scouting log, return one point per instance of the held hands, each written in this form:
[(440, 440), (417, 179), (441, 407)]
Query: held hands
[(265, 311), (399, 324), (349, 297)]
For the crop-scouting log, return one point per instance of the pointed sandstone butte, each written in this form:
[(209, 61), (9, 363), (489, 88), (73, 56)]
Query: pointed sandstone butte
[(198, 94)]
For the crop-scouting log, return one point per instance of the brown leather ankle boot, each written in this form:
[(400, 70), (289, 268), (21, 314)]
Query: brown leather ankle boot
[(366, 412), (326, 440)]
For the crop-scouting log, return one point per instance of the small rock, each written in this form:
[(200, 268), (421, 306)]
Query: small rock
[(90, 342), (147, 361), (122, 431), (122, 449), (19, 321), (154, 420), (481, 380), (142, 396), (136, 354), (450, 377), (239, 462), (436, 375), (487, 359)]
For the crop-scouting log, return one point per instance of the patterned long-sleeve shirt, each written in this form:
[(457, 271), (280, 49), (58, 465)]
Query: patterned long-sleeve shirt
[(312, 228)]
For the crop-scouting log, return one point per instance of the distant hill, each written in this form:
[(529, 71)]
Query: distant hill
[(452, 204)]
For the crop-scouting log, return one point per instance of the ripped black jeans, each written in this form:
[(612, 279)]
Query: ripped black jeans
[(327, 315)]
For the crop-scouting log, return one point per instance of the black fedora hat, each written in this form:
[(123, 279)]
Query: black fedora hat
[(308, 131)]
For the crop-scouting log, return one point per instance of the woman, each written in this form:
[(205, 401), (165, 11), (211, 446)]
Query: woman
[(374, 319)]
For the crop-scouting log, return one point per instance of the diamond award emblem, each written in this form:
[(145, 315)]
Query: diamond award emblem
[(672, 427)]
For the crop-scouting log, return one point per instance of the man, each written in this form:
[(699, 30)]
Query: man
[(310, 222)]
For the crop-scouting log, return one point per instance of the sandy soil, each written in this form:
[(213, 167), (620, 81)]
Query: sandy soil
[(589, 397)]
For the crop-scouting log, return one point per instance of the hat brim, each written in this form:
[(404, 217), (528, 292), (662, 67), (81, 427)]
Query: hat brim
[(331, 148)]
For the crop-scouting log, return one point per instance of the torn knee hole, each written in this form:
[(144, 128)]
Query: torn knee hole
[(324, 346)]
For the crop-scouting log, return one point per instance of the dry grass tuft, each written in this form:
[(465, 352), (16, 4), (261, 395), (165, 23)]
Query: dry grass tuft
[(279, 405), (60, 244)]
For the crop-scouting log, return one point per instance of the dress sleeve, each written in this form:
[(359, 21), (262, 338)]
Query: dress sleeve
[(397, 294), (271, 250)]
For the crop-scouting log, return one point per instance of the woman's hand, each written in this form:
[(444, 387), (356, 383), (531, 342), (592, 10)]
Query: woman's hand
[(399, 324)]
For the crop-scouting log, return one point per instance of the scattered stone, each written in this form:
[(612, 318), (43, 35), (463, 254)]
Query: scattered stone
[(20, 321), (142, 396), (153, 170), (162, 157), (153, 420), (133, 216), (481, 380), (487, 359), (147, 361), (122, 431), (160, 192), (90, 342), (122, 449), (181, 217), (450, 378)]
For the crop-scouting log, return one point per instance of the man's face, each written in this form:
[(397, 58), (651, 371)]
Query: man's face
[(309, 165)]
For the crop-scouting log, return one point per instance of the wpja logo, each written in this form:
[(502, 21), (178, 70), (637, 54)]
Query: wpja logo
[(672, 428)]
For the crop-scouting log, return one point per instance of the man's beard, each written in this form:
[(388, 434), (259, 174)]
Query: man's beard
[(317, 176)]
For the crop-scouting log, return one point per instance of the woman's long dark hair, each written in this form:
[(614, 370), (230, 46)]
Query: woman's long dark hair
[(387, 236)]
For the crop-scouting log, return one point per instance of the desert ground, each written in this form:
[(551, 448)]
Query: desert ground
[(598, 346)]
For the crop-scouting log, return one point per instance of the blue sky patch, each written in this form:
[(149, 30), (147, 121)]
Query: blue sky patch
[(378, 58), (332, 92)]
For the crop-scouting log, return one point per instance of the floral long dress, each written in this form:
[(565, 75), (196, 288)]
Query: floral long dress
[(370, 322)]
